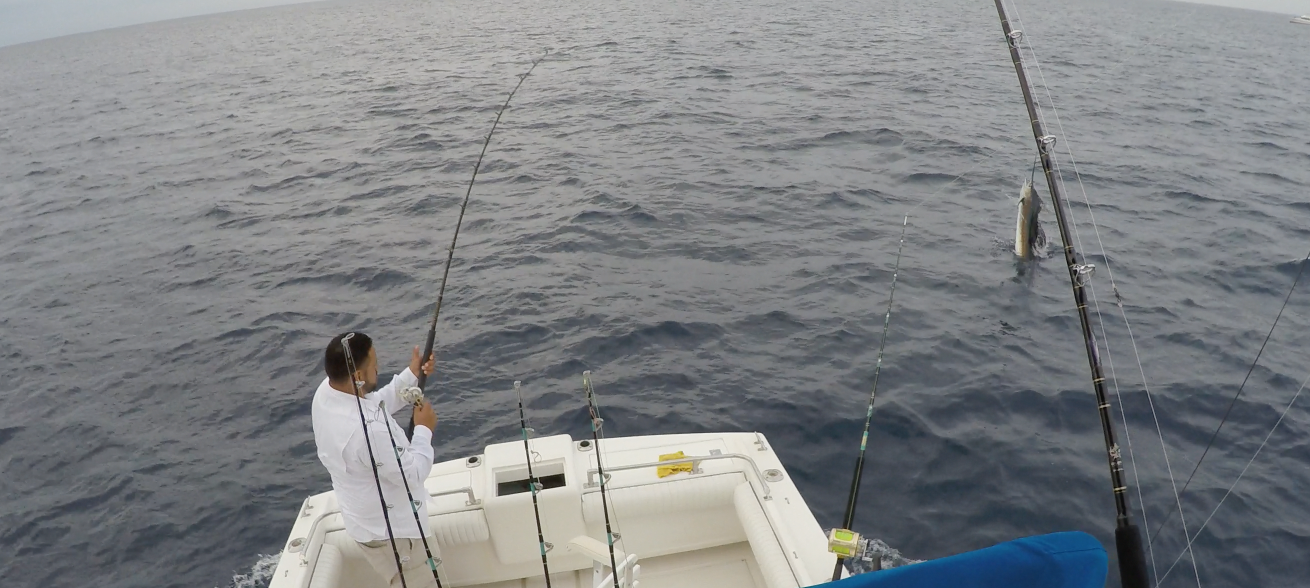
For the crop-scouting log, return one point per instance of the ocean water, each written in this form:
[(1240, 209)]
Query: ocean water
[(701, 203)]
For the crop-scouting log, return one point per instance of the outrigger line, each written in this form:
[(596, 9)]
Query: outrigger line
[(533, 483), (844, 535), (596, 423), (450, 255), (1127, 537), (391, 537), (1233, 402)]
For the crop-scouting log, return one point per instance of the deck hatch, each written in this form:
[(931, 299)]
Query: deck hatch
[(515, 480)]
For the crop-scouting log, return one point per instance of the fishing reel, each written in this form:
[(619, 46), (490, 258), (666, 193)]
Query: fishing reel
[(412, 395), (860, 554), (844, 542)]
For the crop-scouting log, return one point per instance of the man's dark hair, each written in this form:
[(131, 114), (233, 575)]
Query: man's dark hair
[(334, 360)]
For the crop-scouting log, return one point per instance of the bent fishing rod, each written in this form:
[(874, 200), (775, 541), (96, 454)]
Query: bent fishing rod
[(1127, 537), (450, 253), (533, 483), (355, 384)]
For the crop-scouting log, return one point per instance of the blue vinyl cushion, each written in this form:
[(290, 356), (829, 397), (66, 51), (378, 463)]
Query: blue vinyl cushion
[(1059, 560)]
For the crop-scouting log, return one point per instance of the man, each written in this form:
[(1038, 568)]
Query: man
[(344, 450)]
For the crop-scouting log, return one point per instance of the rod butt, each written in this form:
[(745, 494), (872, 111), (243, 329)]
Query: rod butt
[(1132, 560)]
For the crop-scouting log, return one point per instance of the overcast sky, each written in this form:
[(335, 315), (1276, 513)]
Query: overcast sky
[(30, 20), (1290, 7)]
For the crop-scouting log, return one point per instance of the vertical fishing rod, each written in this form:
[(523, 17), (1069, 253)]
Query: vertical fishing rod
[(413, 505), (596, 423), (355, 384), (1127, 537), (450, 254), (851, 499), (533, 483)]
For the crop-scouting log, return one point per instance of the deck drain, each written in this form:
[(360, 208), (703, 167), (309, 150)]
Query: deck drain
[(773, 475)]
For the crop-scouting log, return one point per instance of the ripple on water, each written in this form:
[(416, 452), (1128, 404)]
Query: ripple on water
[(703, 212)]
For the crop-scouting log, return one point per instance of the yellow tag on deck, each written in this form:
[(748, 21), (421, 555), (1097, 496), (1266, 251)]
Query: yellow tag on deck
[(669, 470)]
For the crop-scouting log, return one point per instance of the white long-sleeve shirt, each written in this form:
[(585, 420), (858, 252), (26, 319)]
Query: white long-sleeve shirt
[(343, 451)]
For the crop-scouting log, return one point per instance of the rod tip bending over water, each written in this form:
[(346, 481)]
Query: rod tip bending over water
[(454, 240)]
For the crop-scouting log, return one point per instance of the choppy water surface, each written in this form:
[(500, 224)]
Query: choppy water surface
[(699, 203)]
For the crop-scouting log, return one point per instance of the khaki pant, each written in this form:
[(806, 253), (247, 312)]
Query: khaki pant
[(412, 558)]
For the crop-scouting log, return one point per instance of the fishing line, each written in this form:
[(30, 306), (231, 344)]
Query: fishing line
[(957, 178), (450, 255), (939, 191), (391, 537), (1128, 542), (1239, 476), (533, 483), (1091, 287), (1101, 320), (849, 519), (1240, 388)]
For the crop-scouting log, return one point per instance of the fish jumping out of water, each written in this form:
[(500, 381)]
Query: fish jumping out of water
[(1029, 239)]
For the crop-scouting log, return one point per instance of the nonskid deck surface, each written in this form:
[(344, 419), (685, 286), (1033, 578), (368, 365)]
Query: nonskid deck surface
[(735, 520)]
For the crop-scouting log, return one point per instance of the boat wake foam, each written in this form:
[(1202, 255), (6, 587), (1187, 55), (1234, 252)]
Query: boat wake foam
[(259, 575), (875, 555)]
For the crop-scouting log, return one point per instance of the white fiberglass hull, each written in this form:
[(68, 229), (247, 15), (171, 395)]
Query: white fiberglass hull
[(736, 520), (1302, 19)]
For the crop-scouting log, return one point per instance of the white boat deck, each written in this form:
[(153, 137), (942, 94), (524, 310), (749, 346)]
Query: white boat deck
[(736, 520)]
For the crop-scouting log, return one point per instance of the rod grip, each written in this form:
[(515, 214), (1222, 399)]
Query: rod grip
[(422, 377), (1132, 560), (427, 352)]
